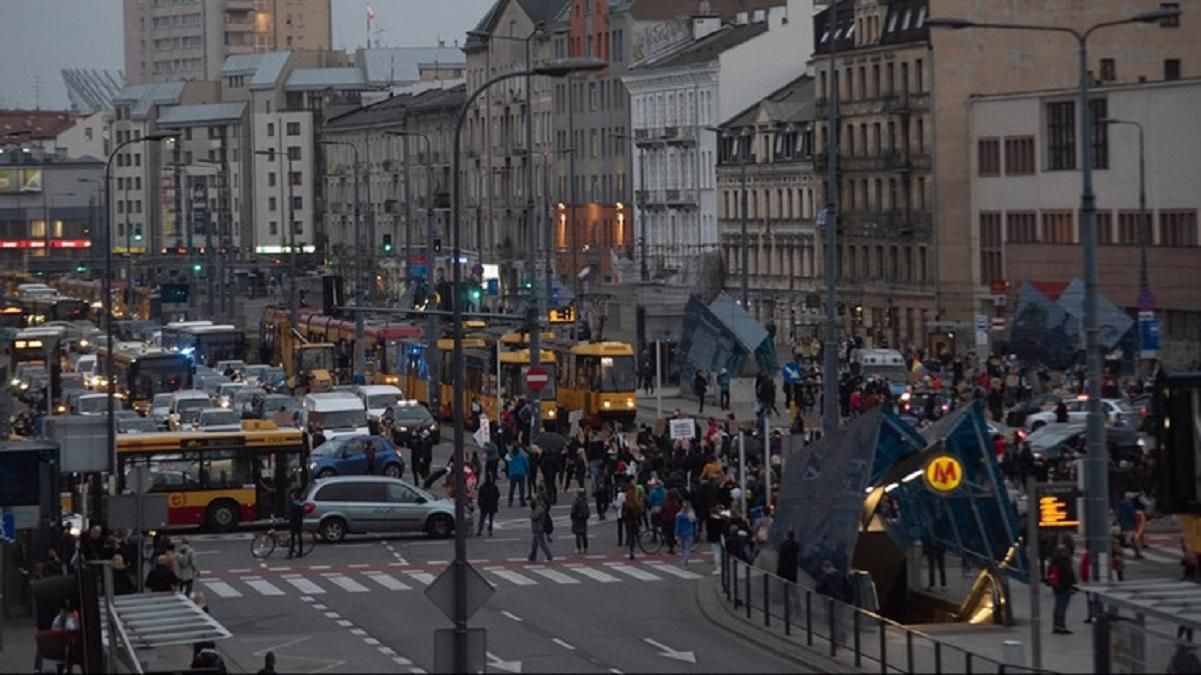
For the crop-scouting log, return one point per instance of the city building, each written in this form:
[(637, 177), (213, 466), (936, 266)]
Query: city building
[(1025, 200), (771, 143), (172, 40), (86, 137), (676, 95), (397, 70), (50, 209)]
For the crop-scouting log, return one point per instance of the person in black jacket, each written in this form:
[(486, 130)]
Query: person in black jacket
[(787, 555), (1062, 579), (489, 501), (162, 579)]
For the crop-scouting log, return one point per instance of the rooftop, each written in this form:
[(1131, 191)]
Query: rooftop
[(400, 65), (707, 48), (32, 125), (906, 22), (142, 97), (791, 103), (201, 114), (543, 11), (318, 79), (391, 111)]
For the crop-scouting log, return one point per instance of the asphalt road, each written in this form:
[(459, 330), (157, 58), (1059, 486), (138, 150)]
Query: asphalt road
[(359, 606)]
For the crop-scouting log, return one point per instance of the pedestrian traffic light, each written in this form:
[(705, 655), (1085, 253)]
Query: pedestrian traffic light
[(387, 243), (437, 245)]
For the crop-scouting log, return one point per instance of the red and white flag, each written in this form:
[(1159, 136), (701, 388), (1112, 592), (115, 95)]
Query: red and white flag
[(370, 14)]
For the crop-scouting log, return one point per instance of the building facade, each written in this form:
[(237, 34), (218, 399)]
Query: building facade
[(1025, 201), (771, 143), (170, 40), (50, 210)]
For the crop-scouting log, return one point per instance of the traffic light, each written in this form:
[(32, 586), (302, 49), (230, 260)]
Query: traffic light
[(81, 268), (387, 243), (437, 245), (137, 236), (475, 294), (197, 267)]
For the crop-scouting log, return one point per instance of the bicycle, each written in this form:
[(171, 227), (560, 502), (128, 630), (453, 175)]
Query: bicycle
[(650, 540), (265, 543)]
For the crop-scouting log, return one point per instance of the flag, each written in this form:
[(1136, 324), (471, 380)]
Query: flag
[(370, 14)]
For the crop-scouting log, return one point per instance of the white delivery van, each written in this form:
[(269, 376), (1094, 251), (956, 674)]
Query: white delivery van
[(338, 413)]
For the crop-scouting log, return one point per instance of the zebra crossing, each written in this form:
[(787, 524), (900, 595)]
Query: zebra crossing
[(400, 580)]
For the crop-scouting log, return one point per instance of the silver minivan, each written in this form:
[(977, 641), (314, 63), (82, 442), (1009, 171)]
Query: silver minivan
[(341, 505)]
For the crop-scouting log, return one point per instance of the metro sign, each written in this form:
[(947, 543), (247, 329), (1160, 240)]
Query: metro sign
[(943, 474)]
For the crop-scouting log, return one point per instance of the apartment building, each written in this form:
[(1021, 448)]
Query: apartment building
[(1025, 185), (169, 40), (50, 211), (771, 144)]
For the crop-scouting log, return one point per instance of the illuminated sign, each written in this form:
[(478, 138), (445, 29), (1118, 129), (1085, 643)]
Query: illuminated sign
[(276, 248), (1057, 505), (565, 315), (42, 243), (943, 473)]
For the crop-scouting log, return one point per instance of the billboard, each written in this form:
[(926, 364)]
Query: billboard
[(15, 181)]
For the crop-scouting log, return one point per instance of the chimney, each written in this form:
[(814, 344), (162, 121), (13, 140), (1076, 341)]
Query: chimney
[(741, 18), (704, 25), (759, 16)]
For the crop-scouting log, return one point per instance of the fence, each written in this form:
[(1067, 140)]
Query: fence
[(817, 621)]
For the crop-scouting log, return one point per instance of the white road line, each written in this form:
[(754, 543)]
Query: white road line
[(422, 577), (416, 671), (355, 566), (554, 575), (319, 607), (1159, 557), (305, 598), (371, 641), (514, 616), (387, 651), (564, 645), (263, 587), (347, 583), (596, 557), (279, 569), (388, 582), (513, 577), (401, 661), (333, 615), (240, 571), (304, 585), (344, 623), (318, 567), (595, 574), (221, 588), (399, 563), (615, 671), (639, 574), (517, 559), (358, 631), (674, 571)]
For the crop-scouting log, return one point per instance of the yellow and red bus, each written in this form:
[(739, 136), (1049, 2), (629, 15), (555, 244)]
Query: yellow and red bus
[(215, 479)]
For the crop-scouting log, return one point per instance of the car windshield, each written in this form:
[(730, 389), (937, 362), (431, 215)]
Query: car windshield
[(329, 447), (210, 418), (615, 373), (382, 400), (340, 419), (1125, 407), (93, 404), (136, 425), (161, 401), (411, 415), (191, 404)]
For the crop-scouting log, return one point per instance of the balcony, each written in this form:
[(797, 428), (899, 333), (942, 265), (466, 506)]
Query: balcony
[(239, 5), (238, 26), (681, 199), (905, 103)]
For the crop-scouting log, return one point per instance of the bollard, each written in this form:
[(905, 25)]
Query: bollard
[(734, 581), (1015, 653), (787, 609), (748, 591), (937, 658), (766, 603), (858, 650), (909, 651), (883, 647)]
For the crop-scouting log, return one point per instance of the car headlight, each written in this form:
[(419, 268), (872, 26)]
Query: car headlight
[(629, 403), (905, 396), (606, 405), (403, 428), (15, 382), (550, 413), (24, 386), (75, 531)]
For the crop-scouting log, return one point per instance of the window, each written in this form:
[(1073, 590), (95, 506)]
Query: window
[(273, 227), (1019, 155), (990, 247), (271, 129), (1171, 69), (295, 178), (293, 128), (1020, 227), (1109, 71), (270, 179), (1098, 109), (1173, 22), (1178, 228), (1057, 227), (1061, 136), (271, 204), (919, 76), (293, 152), (1104, 227), (297, 203), (1128, 227)]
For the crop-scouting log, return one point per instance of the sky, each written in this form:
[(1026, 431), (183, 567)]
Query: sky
[(38, 38)]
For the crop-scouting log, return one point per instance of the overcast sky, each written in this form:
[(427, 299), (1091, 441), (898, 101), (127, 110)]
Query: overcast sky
[(38, 38)]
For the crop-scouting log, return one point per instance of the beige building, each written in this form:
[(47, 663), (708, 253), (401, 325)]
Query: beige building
[(171, 40), (1025, 206)]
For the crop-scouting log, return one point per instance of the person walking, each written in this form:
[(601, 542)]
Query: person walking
[(491, 459), (489, 501), (631, 516), (268, 664), (723, 389), (540, 526), (699, 385), (715, 524), (295, 526), (936, 557), (1062, 579), (685, 529), (579, 521), (788, 555), (185, 558), (519, 467)]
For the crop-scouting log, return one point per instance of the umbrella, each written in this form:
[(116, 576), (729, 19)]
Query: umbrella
[(550, 441)]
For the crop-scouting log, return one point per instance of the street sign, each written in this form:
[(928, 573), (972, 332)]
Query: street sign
[(982, 334), (1148, 335), (943, 474), (1057, 505), (442, 591), (493, 287), (536, 378), (8, 528)]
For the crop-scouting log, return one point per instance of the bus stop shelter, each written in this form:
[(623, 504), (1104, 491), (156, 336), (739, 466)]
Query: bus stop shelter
[(1148, 626)]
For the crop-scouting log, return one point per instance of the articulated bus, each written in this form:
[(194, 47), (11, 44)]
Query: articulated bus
[(383, 348), (206, 343), (140, 372), (216, 479)]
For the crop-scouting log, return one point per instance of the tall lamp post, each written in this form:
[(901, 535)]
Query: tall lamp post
[(1096, 473), (552, 69), (293, 296), (110, 390), (639, 205), (209, 250), (94, 227), (361, 284), (830, 394), (1146, 298)]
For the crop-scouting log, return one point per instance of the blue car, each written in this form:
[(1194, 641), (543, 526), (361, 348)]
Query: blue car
[(347, 456)]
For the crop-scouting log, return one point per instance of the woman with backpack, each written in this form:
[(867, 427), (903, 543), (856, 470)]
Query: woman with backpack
[(631, 515), (579, 521)]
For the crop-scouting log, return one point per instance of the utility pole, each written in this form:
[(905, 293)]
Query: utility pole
[(744, 150), (830, 416), (532, 222), (361, 291)]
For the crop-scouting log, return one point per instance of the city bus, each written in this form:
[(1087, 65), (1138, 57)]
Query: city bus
[(172, 335), (44, 309), (383, 342), (12, 317), (215, 479), (207, 344), (599, 379), (42, 344), (140, 372)]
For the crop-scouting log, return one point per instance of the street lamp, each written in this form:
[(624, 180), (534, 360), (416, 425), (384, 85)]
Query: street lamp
[(361, 282), (1146, 299), (293, 298), (552, 69), (108, 290), (98, 190), (1096, 474)]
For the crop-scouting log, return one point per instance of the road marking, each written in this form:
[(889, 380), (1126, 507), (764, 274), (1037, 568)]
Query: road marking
[(279, 569), (517, 559), (511, 576), (240, 571), (1159, 557), (564, 645), (320, 607), (667, 568), (333, 615), (416, 671), (400, 563), (595, 557), (615, 671), (344, 623), (514, 616), (387, 651), (304, 585), (221, 588), (388, 582), (358, 631), (318, 567), (263, 587), (595, 574), (305, 598), (401, 661), (554, 575), (346, 583), (669, 653), (422, 577), (371, 641), (355, 566), (641, 575)]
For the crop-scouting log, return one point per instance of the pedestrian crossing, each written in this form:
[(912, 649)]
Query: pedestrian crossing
[(400, 580)]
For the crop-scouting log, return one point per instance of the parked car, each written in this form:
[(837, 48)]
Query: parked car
[(218, 419), (347, 455), (1117, 412), (1016, 417), (343, 505)]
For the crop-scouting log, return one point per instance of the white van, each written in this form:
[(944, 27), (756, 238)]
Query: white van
[(884, 364), (338, 414), (378, 397), (186, 405), (86, 365)]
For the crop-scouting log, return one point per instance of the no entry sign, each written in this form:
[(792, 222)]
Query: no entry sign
[(536, 378)]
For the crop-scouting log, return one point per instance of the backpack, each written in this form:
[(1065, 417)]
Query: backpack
[(548, 524), (1053, 576)]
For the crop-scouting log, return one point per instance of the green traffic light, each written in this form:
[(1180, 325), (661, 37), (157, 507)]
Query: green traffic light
[(197, 267)]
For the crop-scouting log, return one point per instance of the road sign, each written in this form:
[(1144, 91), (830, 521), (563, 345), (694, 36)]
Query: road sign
[(943, 474), (536, 378), (1057, 505), (998, 323), (442, 591), (8, 528), (1148, 335)]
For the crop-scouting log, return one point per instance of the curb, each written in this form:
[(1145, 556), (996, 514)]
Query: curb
[(708, 600)]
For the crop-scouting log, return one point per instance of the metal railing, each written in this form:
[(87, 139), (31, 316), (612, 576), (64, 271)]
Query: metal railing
[(818, 621)]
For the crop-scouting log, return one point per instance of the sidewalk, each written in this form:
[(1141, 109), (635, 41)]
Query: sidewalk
[(742, 404)]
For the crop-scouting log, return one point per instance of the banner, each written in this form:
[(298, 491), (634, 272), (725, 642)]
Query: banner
[(14, 181)]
